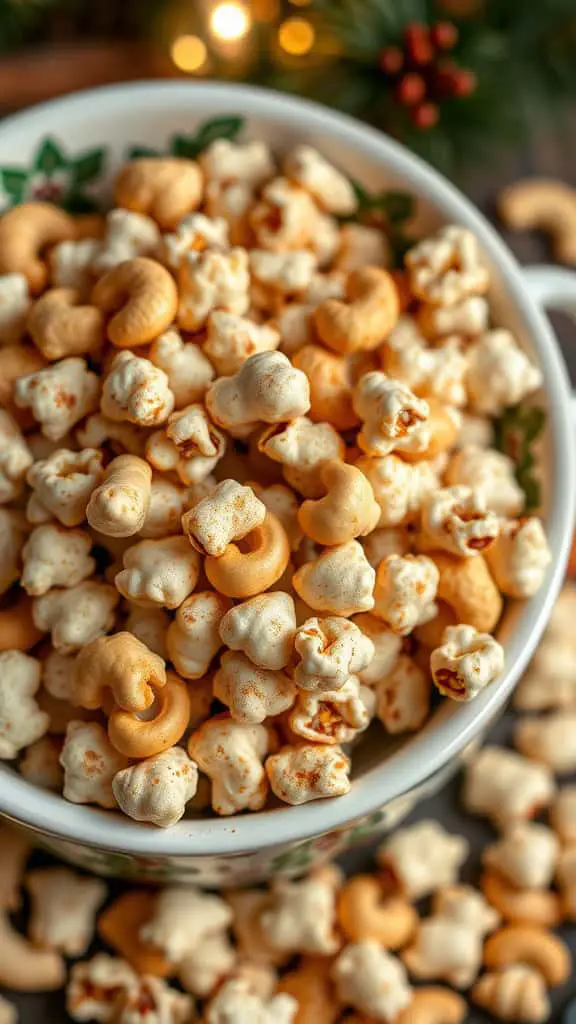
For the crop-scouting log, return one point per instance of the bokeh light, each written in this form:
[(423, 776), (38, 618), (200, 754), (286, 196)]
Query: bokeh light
[(229, 21), (296, 36), (189, 53)]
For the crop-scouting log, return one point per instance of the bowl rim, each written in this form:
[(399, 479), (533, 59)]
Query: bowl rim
[(428, 751)]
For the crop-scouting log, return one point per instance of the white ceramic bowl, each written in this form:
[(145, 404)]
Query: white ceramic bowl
[(386, 784)]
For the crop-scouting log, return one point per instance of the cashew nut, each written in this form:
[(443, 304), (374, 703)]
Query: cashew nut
[(14, 852), (546, 205), (25, 232), (18, 631), (364, 912), (466, 594), (118, 506), (348, 509), (434, 1005), (17, 361), (310, 985), (144, 737), (122, 664), (253, 565), (521, 906), (366, 319), (60, 325), (330, 380), (527, 944), (24, 968), (143, 297), (120, 925), (165, 188)]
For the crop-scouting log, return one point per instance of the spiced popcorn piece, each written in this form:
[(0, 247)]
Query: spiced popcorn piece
[(251, 507)]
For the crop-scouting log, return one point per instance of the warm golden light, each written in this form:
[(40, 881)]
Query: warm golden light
[(229, 21), (189, 53), (296, 36)]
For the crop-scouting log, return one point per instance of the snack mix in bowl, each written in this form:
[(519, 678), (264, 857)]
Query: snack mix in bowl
[(250, 495)]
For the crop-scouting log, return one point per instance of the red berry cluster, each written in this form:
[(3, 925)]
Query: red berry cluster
[(423, 74)]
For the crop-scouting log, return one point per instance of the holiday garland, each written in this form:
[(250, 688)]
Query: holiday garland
[(451, 78)]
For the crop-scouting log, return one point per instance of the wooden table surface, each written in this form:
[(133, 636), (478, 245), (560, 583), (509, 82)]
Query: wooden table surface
[(552, 154)]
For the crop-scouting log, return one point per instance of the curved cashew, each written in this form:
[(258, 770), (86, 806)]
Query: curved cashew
[(366, 319), (14, 851), (330, 380), (311, 987), (546, 205), (139, 738), (527, 944), (247, 570), (165, 188), (118, 506), (143, 297), (60, 325), (364, 912), (119, 927), (17, 361), (466, 594), (122, 664), (521, 906), (17, 629), (434, 1005), (25, 231), (348, 509), (25, 968)]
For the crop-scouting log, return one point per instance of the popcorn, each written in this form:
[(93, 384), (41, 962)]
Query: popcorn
[(188, 370), (21, 720), (190, 444), (266, 388), (506, 787), (55, 557), (209, 281), (439, 371), (362, 246), (330, 650), (371, 981), (252, 694), (446, 268), (203, 969), (405, 591), (263, 628), (519, 558), (286, 272), (341, 581), (399, 488), (95, 987), (469, 317), (330, 716), (235, 1002), (158, 788), (403, 697), (284, 218), (466, 662), (59, 396), (76, 616), (64, 907), (231, 754), (158, 572), (15, 458), (72, 263), (302, 448), (526, 855), (232, 339), (194, 233), (193, 638), (491, 474), (387, 646), (14, 306), (40, 764), (90, 763), (456, 519), (422, 858), (227, 515), (165, 508), (549, 740), (12, 534), (394, 418), (310, 771), (563, 814), (96, 430), (127, 235), (152, 1001), (499, 373), (183, 917), (62, 485), (250, 163), (58, 675), (328, 186), (137, 391), (301, 917)]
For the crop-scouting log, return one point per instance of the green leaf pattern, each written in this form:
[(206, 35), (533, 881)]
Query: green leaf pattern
[(54, 176)]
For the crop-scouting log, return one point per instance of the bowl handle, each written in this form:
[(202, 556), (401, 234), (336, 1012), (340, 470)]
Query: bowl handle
[(553, 288)]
